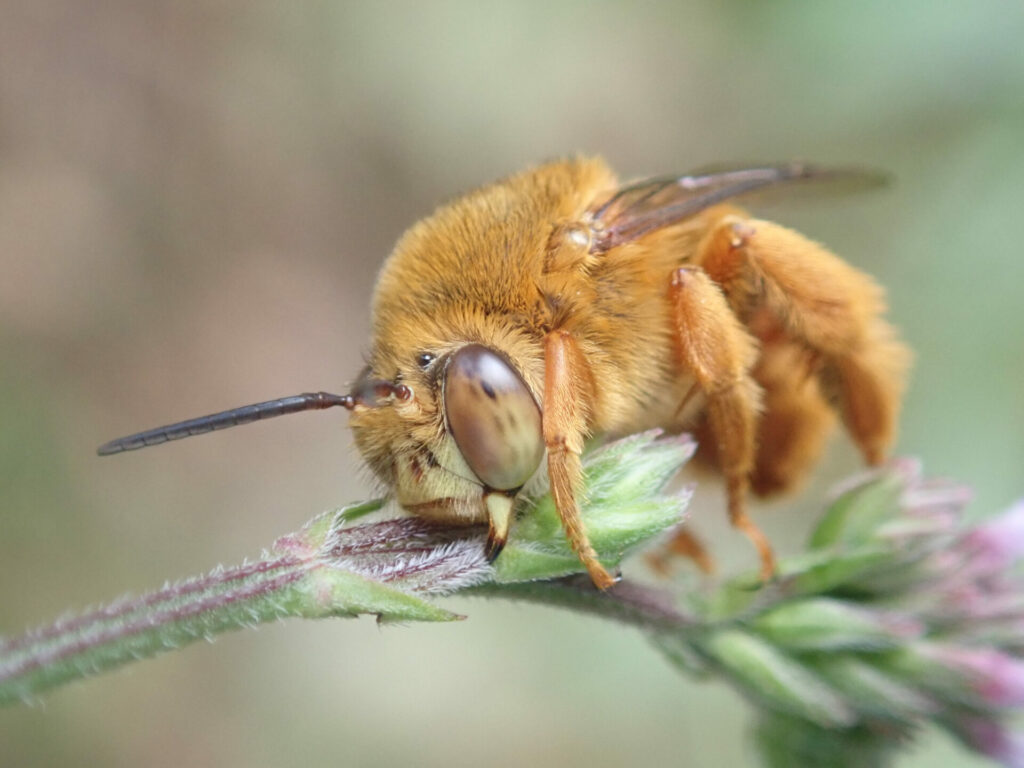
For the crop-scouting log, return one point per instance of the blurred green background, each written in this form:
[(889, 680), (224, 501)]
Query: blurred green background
[(194, 200)]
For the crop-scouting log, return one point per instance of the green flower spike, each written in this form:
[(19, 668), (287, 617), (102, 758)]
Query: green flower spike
[(898, 616)]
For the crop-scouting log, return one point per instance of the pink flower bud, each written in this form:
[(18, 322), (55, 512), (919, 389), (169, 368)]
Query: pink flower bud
[(997, 543), (991, 738), (995, 677)]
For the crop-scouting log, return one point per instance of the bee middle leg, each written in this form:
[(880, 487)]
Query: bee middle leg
[(718, 350), (683, 544)]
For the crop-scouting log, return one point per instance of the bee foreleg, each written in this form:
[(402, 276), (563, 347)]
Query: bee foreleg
[(827, 305), (564, 425), (714, 346)]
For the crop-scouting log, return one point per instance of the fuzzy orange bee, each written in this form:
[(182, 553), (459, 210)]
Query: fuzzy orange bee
[(525, 317)]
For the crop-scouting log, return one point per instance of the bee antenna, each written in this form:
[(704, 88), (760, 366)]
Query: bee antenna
[(308, 401)]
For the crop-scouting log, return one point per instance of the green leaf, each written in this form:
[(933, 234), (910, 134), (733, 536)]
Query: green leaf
[(326, 592), (789, 742), (823, 571), (852, 519)]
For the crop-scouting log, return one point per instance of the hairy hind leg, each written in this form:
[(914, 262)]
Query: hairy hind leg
[(825, 304), (796, 420)]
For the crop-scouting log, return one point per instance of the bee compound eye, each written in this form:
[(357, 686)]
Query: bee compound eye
[(492, 417)]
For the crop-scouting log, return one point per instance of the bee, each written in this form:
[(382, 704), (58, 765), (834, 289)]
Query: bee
[(527, 316)]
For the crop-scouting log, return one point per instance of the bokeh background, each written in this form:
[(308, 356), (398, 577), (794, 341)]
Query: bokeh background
[(194, 200)]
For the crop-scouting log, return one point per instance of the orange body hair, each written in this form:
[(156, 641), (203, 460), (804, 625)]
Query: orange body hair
[(714, 317), (524, 317)]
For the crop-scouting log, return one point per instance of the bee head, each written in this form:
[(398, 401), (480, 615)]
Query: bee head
[(458, 443)]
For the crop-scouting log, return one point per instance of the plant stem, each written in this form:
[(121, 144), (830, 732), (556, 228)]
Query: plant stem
[(627, 602), (197, 609), (342, 565)]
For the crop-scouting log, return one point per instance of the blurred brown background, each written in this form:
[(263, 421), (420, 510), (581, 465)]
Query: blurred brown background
[(194, 200)]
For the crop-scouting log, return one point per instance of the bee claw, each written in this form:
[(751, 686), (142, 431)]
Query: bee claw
[(601, 578)]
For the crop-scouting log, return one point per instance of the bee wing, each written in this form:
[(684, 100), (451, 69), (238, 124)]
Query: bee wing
[(648, 205)]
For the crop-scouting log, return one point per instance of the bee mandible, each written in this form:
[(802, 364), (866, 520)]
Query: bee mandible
[(525, 317)]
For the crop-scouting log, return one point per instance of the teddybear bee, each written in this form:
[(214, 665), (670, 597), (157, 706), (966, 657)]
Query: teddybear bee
[(555, 305)]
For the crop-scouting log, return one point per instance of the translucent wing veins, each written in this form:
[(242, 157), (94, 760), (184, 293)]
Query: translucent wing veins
[(648, 205)]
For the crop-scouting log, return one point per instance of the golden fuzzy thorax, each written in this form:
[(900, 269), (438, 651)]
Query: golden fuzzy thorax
[(491, 268), (667, 328)]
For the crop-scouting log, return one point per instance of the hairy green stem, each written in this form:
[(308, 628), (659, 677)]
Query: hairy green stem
[(341, 565)]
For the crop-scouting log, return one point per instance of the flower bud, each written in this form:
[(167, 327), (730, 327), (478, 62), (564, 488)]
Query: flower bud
[(777, 680), (825, 624), (872, 691), (990, 738), (979, 677), (853, 517), (997, 543)]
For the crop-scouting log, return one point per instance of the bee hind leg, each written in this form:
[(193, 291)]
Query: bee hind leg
[(796, 421), (826, 305), (717, 349)]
